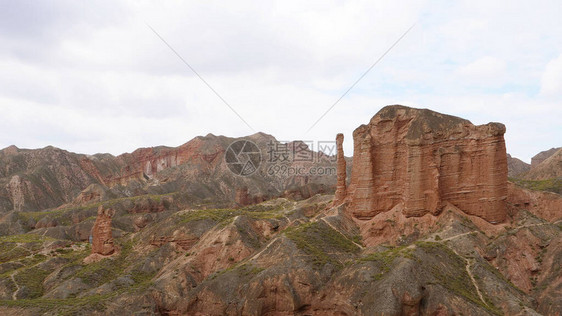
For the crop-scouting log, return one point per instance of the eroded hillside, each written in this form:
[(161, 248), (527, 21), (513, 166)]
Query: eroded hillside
[(425, 224)]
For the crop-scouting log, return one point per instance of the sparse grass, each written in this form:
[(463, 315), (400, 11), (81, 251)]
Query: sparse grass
[(384, 259), (25, 238), (69, 306), (142, 278), (318, 240), (391, 222), (37, 215), (32, 279), (223, 215), (15, 247), (243, 270), (451, 273), (550, 185), (5, 248), (27, 261), (357, 239), (93, 274), (106, 270), (61, 215)]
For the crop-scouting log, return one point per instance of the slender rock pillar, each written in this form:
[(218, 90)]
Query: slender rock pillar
[(102, 240), (341, 187)]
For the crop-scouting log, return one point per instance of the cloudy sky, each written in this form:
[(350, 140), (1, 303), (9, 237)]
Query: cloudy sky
[(92, 77)]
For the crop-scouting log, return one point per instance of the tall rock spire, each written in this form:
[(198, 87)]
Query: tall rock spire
[(102, 240), (341, 188)]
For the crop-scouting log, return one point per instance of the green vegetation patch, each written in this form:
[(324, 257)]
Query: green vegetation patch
[(14, 254), (5, 247), (550, 185), (242, 270), (319, 240), (450, 271), (61, 216), (22, 263), (70, 306), (15, 247), (386, 258), (37, 215), (25, 238), (32, 280), (107, 269)]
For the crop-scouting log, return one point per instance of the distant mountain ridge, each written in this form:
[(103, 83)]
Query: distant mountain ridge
[(549, 168), (37, 179)]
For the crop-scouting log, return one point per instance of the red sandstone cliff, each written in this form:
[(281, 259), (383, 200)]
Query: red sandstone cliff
[(423, 159)]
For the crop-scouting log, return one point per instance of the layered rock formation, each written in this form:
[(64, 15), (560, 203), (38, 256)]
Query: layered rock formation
[(542, 156), (546, 205), (102, 240), (41, 179), (423, 159), (549, 168)]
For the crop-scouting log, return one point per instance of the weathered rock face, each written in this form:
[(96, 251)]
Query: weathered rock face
[(546, 205), (38, 179), (516, 167), (542, 156), (102, 242), (93, 193), (549, 168), (423, 159), (242, 197)]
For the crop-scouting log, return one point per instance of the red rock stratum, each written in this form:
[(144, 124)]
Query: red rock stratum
[(423, 159)]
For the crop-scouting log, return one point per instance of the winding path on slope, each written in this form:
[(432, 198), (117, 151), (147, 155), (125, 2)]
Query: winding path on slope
[(469, 262), (15, 294)]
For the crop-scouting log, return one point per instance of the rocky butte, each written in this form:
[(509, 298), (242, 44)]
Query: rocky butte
[(420, 159)]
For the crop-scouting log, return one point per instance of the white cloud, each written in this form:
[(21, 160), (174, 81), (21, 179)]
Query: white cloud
[(551, 82), (485, 70), (96, 79)]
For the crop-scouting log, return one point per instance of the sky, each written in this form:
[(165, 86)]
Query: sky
[(93, 77)]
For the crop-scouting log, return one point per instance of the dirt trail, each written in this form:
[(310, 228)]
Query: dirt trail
[(15, 294), (334, 228), (469, 262)]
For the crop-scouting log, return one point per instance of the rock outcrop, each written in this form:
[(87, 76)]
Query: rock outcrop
[(516, 166), (546, 205), (242, 197), (549, 168), (542, 156), (423, 159), (102, 240)]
